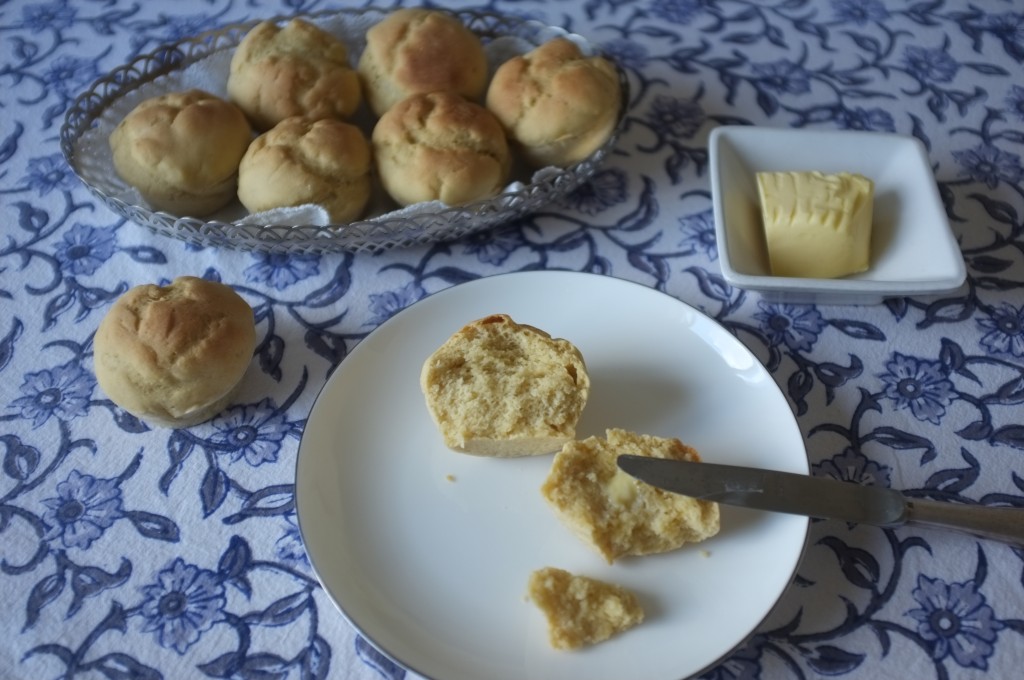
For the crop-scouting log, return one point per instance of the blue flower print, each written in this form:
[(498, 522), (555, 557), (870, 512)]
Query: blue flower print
[(386, 305), (744, 664), (860, 12), (289, 547), (929, 65), (795, 326), (859, 118), (85, 248), (1009, 27), (676, 117), (784, 77), (853, 466), (986, 163), (494, 247), (627, 53), (63, 392), (69, 75), (699, 233), (281, 270), (956, 621), (253, 432), (49, 173), (677, 11), (919, 385), (604, 190), (1005, 326), (1015, 101), (48, 16), (183, 603), (82, 510)]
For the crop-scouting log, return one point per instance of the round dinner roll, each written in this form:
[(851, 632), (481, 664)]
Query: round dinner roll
[(181, 150), (557, 105), (441, 147), (326, 162), (501, 388), (295, 70), (414, 51), (173, 355)]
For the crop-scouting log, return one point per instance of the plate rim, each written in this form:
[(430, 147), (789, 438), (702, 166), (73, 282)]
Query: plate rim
[(797, 557)]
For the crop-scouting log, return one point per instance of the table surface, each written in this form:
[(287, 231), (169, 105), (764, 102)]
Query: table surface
[(106, 523)]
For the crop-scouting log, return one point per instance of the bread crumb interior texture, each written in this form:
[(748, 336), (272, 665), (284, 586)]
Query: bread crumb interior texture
[(617, 514), (497, 387), (580, 610)]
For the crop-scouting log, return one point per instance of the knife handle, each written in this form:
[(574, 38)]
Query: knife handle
[(999, 524)]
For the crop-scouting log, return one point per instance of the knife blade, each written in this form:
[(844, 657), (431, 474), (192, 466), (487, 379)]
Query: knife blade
[(797, 494)]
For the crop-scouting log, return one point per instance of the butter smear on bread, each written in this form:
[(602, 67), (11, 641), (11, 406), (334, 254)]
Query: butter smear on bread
[(816, 225)]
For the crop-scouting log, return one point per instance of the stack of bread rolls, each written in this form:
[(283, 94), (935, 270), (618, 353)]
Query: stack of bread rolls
[(437, 125)]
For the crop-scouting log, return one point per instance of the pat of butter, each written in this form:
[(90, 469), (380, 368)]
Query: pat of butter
[(621, 488), (816, 225)]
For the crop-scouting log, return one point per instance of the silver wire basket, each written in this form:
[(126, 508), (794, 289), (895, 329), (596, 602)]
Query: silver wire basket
[(83, 141)]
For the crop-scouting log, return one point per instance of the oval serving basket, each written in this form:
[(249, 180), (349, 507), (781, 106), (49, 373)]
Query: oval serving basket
[(83, 141)]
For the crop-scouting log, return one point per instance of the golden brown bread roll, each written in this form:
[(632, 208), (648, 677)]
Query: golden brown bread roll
[(439, 146), (181, 151), (415, 51), (295, 70), (557, 105), (325, 162), (173, 355)]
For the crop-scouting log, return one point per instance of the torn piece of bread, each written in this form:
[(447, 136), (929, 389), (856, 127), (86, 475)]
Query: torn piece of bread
[(500, 388), (581, 610), (617, 514)]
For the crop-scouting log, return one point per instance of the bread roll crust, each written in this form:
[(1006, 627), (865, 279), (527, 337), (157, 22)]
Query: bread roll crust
[(557, 105), (500, 388), (325, 162), (415, 51), (296, 70), (181, 151), (440, 147), (173, 355), (613, 512)]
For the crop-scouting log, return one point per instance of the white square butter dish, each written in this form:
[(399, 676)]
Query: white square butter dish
[(913, 251)]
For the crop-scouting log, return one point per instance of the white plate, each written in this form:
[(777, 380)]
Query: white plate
[(913, 251), (427, 551)]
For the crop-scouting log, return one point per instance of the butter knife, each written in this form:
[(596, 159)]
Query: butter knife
[(798, 494)]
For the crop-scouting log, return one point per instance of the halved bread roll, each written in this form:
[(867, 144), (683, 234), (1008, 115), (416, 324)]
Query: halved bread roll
[(500, 388)]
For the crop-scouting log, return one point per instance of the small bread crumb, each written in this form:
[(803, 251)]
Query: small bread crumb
[(450, 478), (705, 553), (580, 610)]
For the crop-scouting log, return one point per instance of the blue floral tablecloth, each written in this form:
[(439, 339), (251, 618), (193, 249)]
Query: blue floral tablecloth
[(130, 552)]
